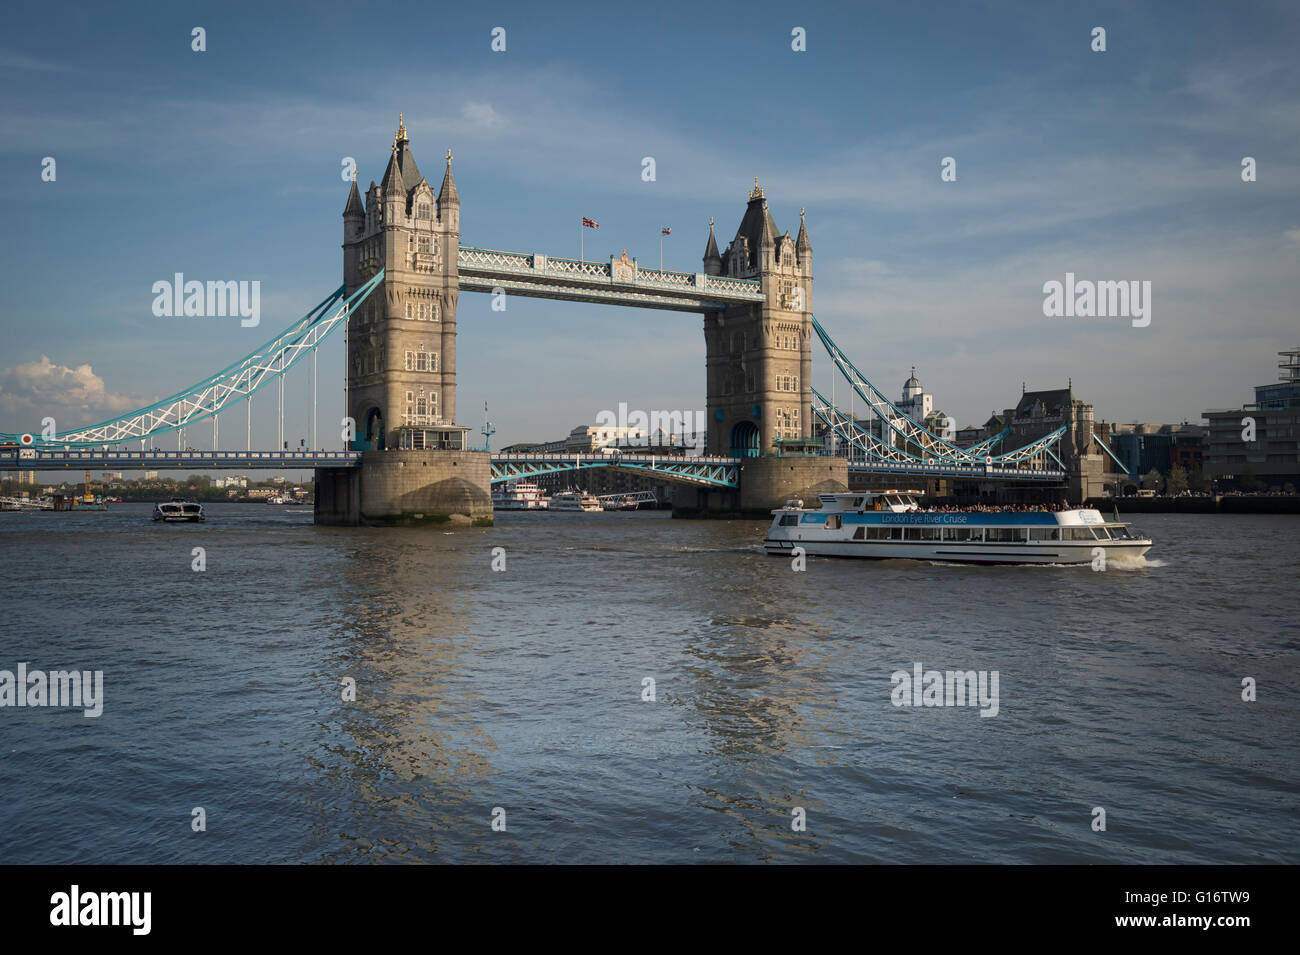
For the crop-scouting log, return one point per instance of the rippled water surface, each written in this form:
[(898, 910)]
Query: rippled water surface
[(522, 689)]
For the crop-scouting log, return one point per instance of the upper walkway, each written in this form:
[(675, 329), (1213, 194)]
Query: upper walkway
[(617, 282)]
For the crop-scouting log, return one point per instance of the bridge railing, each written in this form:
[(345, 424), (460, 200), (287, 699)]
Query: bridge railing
[(615, 458), (471, 259)]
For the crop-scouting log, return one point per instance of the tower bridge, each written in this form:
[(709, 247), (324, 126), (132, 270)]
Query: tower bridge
[(408, 460)]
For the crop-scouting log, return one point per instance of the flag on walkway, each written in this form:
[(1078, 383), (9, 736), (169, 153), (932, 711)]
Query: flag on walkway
[(665, 231), (590, 223)]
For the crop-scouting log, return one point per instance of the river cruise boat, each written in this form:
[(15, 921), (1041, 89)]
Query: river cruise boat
[(889, 525), (575, 501), (177, 511), (519, 496)]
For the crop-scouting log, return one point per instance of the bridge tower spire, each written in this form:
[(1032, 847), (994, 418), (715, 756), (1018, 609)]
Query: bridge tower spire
[(402, 340), (759, 356)]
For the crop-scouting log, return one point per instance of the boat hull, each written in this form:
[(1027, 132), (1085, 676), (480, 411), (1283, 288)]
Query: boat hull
[(1044, 552)]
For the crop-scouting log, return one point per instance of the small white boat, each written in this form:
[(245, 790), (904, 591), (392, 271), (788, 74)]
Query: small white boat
[(519, 496), (177, 511), (575, 501), (889, 525), (280, 499)]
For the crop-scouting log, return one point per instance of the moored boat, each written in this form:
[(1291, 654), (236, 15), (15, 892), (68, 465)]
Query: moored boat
[(519, 496), (889, 525), (575, 501)]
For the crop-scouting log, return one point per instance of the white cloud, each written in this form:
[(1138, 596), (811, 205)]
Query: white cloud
[(43, 388)]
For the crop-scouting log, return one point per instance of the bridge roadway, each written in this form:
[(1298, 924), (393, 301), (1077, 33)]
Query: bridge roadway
[(707, 470)]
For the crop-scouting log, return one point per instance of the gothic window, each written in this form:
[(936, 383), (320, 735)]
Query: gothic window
[(410, 310), (409, 361), (421, 361), (424, 243), (422, 211), (421, 406)]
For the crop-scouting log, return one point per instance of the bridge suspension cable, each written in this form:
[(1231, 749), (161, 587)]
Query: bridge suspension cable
[(930, 446), (237, 382)]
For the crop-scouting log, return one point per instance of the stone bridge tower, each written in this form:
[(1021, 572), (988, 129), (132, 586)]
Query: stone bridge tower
[(401, 362), (401, 359), (759, 357)]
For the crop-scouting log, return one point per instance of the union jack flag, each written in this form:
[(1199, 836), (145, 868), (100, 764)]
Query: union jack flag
[(665, 231), (590, 223)]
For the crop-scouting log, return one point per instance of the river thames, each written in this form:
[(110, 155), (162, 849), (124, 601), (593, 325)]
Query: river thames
[(520, 694)]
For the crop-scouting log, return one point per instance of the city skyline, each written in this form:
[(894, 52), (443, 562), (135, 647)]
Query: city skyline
[(1122, 165)]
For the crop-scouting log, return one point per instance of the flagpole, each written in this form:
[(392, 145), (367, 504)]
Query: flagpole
[(661, 250), (581, 237)]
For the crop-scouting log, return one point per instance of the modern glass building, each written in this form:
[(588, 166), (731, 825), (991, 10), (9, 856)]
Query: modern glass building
[(1256, 444)]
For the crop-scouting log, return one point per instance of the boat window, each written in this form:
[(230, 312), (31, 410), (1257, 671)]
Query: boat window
[(962, 534), (1006, 535), (1101, 533), (834, 522), (788, 520), (1078, 534), (1044, 533), (922, 534), (895, 533), (1120, 533), (859, 534)]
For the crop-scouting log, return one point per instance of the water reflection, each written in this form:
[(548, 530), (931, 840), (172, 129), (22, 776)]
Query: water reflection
[(415, 757)]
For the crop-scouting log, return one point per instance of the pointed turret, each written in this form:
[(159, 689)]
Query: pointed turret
[(712, 260), (448, 192), (354, 208), (392, 183), (757, 228), (802, 243), (402, 174), (449, 200)]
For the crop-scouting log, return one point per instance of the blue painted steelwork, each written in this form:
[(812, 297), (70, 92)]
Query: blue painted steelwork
[(1123, 466), (705, 470), (972, 472), (234, 383), (931, 447), (49, 459)]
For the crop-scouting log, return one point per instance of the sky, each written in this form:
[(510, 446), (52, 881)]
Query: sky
[(226, 164)]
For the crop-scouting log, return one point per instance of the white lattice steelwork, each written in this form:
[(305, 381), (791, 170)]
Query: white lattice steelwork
[(618, 282), (930, 448), (704, 470), (233, 384), (854, 434)]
